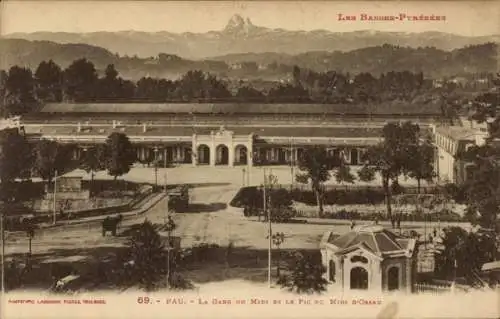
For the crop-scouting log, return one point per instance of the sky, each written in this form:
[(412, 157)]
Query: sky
[(470, 18)]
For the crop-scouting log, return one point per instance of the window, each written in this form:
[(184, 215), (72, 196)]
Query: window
[(393, 278), (359, 278), (331, 271)]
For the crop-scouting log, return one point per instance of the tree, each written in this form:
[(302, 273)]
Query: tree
[(306, 275), (47, 159), (317, 164), (119, 155), (288, 93), (296, 75), (390, 157), (147, 256), (80, 81), (343, 172), (459, 245), (482, 189), (94, 160), (15, 155), (280, 201), (49, 82), (420, 166), (19, 91), (248, 93)]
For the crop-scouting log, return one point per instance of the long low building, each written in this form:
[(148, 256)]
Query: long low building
[(223, 134)]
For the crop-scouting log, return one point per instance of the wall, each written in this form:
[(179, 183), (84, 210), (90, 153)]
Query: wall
[(445, 162)]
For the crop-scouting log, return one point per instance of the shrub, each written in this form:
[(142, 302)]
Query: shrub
[(282, 215), (305, 275), (147, 254)]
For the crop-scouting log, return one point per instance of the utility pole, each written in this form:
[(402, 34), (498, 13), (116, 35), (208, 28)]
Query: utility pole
[(292, 163), (55, 190), (166, 202), (268, 210), (3, 253), (156, 166), (243, 177)]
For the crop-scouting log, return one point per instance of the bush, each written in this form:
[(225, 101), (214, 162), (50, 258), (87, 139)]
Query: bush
[(282, 215), (305, 275), (444, 216), (147, 256), (199, 253)]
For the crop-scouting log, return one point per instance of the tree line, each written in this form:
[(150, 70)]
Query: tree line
[(22, 90), (20, 159)]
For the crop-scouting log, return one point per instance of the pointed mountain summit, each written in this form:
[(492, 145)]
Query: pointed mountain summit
[(237, 24)]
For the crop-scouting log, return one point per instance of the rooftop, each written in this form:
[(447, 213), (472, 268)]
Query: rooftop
[(375, 238), (333, 132), (243, 108), (457, 133)]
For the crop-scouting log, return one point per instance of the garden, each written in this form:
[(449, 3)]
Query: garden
[(360, 203)]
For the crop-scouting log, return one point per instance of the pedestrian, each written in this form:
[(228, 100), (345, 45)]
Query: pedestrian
[(399, 222), (353, 223)]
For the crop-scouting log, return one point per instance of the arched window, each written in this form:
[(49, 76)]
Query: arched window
[(359, 278), (331, 271), (393, 278)]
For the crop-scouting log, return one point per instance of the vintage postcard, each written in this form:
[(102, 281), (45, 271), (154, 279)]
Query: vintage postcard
[(249, 159)]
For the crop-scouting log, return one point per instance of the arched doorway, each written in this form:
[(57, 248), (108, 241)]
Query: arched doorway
[(354, 156), (393, 278), (281, 155), (188, 158), (263, 156), (222, 155), (359, 278), (203, 154), (300, 153), (170, 154), (241, 153), (331, 271)]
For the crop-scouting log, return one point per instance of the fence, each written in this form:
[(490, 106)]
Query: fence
[(329, 187), (432, 289)]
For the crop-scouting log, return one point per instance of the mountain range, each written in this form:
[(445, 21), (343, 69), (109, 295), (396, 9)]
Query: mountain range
[(434, 63), (241, 36)]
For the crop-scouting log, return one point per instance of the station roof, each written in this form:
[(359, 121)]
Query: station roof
[(274, 131), (243, 108)]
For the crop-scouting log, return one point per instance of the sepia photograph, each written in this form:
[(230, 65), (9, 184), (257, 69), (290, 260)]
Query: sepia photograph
[(242, 159)]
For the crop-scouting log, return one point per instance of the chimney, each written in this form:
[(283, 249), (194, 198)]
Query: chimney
[(79, 129)]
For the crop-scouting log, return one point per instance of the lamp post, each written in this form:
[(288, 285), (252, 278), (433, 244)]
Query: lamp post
[(243, 177), (2, 231), (268, 211), (54, 204), (169, 227), (156, 165), (292, 163), (278, 239)]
